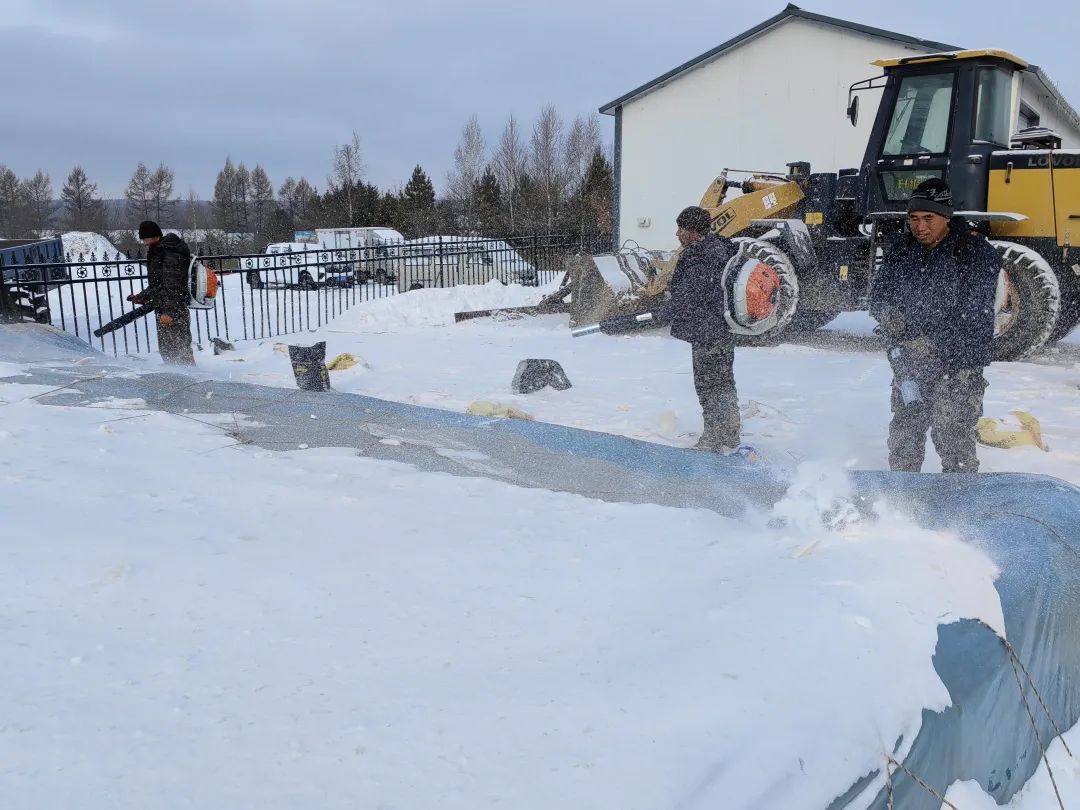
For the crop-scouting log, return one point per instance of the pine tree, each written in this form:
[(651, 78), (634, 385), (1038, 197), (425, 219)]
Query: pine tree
[(84, 211), (418, 203), (137, 193), (593, 201), (489, 213), (390, 211)]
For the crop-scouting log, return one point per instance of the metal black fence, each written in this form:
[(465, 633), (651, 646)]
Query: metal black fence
[(296, 288)]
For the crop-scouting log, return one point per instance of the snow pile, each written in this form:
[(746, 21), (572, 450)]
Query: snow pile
[(436, 306), (194, 642), (87, 243)]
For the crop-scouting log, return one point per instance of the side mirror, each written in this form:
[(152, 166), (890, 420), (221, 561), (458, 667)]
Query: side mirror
[(853, 111)]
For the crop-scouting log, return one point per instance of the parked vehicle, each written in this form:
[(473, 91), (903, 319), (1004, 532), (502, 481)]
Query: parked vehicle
[(299, 264), (445, 261), (376, 248)]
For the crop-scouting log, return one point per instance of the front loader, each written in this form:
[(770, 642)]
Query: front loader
[(947, 115)]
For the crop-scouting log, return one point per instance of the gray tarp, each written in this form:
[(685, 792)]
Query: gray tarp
[(1029, 525)]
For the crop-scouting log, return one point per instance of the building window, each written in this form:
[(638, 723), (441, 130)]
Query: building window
[(1028, 117)]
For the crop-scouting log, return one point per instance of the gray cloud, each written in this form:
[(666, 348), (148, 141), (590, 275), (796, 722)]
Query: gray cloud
[(279, 83)]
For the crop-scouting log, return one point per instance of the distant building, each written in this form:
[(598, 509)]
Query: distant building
[(774, 94)]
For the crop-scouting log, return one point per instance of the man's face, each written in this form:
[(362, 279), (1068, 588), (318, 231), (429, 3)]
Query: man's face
[(687, 237), (928, 228), (151, 240)]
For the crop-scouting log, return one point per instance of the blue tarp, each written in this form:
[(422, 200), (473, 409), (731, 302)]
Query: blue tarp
[(1029, 525)]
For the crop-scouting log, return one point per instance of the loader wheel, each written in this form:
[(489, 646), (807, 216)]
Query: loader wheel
[(255, 280), (1069, 312), (1028, 301), (787, 297)]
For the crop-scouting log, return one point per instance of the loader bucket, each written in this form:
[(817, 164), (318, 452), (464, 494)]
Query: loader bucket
[(610, 284)]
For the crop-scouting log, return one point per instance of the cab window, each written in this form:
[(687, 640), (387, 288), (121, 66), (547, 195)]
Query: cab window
[(920, 120)]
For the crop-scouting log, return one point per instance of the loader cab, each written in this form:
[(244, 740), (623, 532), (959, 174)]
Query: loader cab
[(941, 115)]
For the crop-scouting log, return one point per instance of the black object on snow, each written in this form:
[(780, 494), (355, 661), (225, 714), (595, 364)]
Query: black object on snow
[(221, 345), (309, 367), (533, 375)]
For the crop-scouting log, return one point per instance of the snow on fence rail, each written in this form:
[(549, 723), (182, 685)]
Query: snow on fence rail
[(268, 295)]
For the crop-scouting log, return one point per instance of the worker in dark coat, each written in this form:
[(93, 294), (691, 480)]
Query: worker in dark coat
[(697, 316), (934, 298), (168, 261)]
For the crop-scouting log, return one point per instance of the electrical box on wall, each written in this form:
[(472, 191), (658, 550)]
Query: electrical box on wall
[(643, 222)]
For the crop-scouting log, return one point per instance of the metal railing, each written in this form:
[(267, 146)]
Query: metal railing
[(273, 294)]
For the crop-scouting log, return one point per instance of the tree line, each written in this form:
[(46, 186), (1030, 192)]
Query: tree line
[(558, 178)]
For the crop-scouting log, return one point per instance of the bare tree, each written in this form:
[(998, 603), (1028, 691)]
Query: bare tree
[(225, 199), (262, 201), (12, 206), (509, 163), (84, 210), (548, 163), (137, 193), (159, 190), (348, 171), (37, 192), (242, 198), (462, 180), (287, 197), (582, 142)]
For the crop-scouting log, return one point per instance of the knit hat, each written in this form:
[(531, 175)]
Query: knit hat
[(932, 195), (149, 229), (694, 219)]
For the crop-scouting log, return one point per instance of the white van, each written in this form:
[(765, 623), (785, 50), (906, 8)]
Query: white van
[(447, 261), (376, 246), (300, 264)]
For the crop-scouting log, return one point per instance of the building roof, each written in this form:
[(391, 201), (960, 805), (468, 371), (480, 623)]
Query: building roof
[(790, 12)]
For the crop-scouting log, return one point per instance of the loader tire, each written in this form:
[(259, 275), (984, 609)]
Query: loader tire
[(1069, 312), (1028, 302), (788, 296)]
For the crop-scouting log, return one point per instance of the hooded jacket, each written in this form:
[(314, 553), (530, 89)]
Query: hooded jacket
[(945, 295), (697, 294), (167, 264)]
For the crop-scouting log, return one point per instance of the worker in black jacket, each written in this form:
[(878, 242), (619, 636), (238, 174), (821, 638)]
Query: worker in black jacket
[(168, 261), (934, 300), (697, 316)]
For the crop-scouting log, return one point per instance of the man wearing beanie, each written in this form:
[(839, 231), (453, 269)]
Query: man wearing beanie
[(934, 300), (168, 260), (697, 316)]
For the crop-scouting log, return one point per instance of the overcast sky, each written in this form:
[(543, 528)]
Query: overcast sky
[(109, 84)]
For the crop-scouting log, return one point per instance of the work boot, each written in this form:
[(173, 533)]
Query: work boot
[(713, 442)]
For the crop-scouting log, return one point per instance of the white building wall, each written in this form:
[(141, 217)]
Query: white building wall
[(1036, 96), (778, 98)]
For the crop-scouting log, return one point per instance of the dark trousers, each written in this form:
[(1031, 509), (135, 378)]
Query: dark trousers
[(951, 407), (174, 340), (714, 380)]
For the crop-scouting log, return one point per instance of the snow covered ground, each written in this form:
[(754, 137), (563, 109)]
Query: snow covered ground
[(798, 401), (209, 624)]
